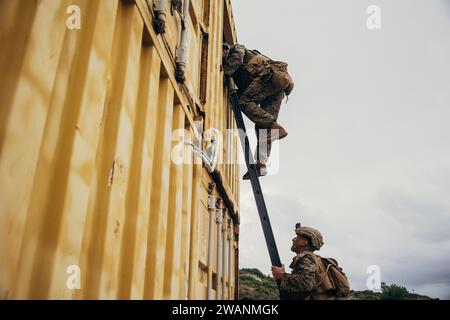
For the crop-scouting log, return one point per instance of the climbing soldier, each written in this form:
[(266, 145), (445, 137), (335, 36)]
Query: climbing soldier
[(262, 84), (312, 277)]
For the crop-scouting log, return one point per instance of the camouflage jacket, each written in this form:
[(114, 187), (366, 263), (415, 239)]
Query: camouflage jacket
[(245, 65), (302, 281)]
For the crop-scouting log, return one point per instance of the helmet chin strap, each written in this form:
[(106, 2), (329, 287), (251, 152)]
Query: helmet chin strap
[(300, 249)]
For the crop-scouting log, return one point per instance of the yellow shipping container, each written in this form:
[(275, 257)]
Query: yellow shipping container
[(92, 203)]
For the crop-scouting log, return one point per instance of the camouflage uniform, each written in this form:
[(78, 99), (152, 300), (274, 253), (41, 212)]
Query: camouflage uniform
[(299, 284), (262, 85), (308, 280), (304, 281)]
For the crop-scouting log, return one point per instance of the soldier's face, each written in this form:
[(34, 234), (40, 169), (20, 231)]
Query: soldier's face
[(298, 244), (225, 53)]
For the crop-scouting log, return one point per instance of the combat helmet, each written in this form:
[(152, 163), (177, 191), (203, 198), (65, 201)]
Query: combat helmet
[(314, 235)]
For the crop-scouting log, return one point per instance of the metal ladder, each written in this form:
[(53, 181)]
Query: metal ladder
[(256, 186)]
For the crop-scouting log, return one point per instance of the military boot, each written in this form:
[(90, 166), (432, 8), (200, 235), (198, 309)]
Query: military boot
[(260, 168), (276, 132)]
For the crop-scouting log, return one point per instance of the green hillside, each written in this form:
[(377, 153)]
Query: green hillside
[(254, 285)]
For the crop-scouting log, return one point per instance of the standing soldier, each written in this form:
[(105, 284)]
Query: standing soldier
[(262, 84), (312, 277)]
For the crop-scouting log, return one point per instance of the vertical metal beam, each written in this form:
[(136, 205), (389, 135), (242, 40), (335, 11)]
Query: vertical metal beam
[(219, 221), (211, 212)]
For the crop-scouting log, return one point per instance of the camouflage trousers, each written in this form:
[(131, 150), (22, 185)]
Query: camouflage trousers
[(261, 103)]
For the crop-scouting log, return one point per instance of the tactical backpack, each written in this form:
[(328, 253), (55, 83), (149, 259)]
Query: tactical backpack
[(262, 66), (331, 277)]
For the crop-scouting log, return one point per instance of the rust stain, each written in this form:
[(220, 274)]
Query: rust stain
[(116, 174), (111, 174), (116, 229)]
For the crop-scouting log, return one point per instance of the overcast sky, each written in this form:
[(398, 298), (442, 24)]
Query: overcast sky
[(367, 158)]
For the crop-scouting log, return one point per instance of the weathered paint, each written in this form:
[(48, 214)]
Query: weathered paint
[(86, 123)]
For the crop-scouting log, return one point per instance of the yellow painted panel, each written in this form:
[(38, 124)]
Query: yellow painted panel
[(186, 219), (196, 9), (91, 206), (28, 76), (194, 49), (107, 199), (123, 99), (134, 234), (159, 199), (85, 143), (173, 242), (203, 231), (148, 105), (196, 207)]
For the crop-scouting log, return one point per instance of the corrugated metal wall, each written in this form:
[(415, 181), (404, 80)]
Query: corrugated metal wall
[(91, 204)]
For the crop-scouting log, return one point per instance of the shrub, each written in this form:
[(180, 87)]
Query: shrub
[(393, 292)]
